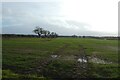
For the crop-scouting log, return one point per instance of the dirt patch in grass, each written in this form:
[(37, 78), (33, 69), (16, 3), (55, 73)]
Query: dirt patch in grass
[(112, 48), (97, 58), (69, 57), (61, 50)]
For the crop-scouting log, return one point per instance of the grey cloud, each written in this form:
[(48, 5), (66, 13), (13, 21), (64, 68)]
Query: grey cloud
[(22, 18), (56, 24)]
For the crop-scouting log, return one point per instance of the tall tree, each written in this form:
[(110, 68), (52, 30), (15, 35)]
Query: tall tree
[(38, 31), (45, 33), (56, 34), (52, 34), (48, 33)]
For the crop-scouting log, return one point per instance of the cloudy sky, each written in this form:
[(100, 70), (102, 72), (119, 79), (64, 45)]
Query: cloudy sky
[(65, 17)]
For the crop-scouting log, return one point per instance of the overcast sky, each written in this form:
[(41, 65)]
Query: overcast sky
[(65, 17)]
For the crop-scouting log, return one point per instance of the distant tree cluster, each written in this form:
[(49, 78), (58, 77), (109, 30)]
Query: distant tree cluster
[(74, 36), (44, 33), (17, 35)]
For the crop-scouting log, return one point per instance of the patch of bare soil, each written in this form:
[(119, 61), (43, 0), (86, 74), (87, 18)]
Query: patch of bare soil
[(112, 48), (96, 58), (81, 66), (61, 50), (68, 57)]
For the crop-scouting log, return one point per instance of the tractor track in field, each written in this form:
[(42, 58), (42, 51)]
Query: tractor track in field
[(61, 49), (41, 64), (80, 69)]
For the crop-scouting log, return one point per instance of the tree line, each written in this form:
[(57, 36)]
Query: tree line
[(44, 33)]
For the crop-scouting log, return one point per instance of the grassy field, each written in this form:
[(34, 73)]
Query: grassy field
[(31, 58)]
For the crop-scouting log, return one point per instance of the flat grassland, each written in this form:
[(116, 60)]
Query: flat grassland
[(47, 58)]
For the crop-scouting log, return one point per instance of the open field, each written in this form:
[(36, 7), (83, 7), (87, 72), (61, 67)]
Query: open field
[(47, 58)]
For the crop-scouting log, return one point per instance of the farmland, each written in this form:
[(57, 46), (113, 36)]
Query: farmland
[(49, 58)]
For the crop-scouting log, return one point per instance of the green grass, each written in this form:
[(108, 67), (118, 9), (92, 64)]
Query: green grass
[(8, 74), (21, 55)]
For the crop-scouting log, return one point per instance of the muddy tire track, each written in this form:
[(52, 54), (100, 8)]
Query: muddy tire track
[(80, 69), (61, 49), (42, 64)]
